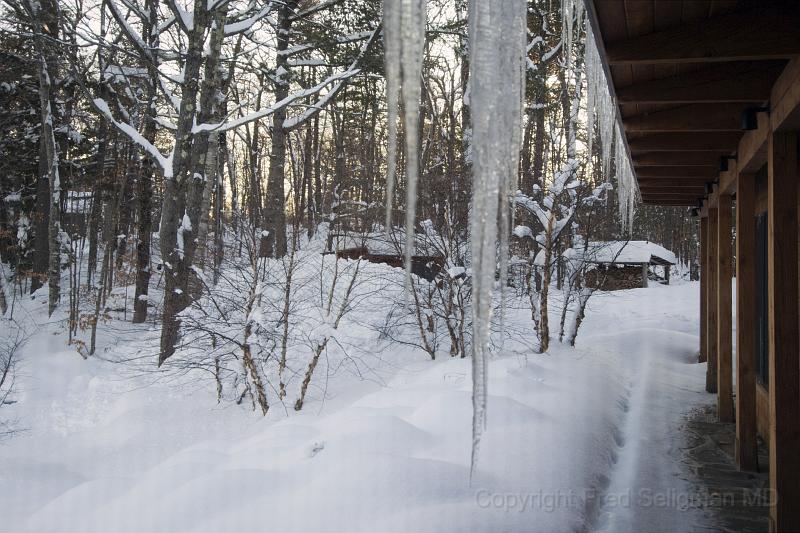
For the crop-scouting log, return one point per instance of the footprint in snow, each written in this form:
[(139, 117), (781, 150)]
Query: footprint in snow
[(314, 449)]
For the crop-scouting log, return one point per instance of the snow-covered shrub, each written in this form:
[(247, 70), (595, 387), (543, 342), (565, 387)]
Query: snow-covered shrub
[(12, 338), (271, 328), (436, 313)]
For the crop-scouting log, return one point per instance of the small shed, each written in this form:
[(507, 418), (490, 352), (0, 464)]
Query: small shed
[(378, 247), (625, 264)]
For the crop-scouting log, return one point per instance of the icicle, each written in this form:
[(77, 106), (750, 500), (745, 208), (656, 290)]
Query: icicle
[(571, 18), (600, 101), (566, 30), (497, 31), (413, 26), (404, 32), (627, 188), (593, 75), (392, 44)]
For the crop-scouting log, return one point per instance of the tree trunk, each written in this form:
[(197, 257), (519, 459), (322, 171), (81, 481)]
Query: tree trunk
[(176, 225), (145, 183), (274, 211), (46, 20)]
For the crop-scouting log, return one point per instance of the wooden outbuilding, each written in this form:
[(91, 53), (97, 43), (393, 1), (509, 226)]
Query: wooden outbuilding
[(377, 247), (618, 265), (708, 92)]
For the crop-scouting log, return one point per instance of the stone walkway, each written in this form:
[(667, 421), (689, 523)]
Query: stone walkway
[(733, 500)]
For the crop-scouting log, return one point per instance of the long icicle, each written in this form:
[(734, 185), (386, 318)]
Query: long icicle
[(497, 54), (404, 41), (392, 43), (414, 17)]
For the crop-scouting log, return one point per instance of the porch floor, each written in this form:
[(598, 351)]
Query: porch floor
[(735, 501)]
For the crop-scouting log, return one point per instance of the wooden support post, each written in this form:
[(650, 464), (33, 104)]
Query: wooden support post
[(645, 270), (667, 269), (703, 355), (784, 339), (724, 310), (711, 333), (746, 445)]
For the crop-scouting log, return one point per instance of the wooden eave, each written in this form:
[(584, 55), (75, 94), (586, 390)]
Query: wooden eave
[(684, 73)]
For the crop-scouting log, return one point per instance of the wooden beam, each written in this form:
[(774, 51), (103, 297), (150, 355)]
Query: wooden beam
[(702, 354), (694, 117), (687, 159), (752, 152), (785, 98), (724, 309), (721, 142), (748, 83), (784, 341), (712, 198), (671, 193), (753, 34), (674, 202), (784, 114), (672, 171), (711, 324), (727, 178), (675, 181), (695, 192), (696, 186), (746, 451)]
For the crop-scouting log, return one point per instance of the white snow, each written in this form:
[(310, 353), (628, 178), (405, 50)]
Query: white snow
[(523, 231), (388, 453), (622, 252), (628, 252), (184, 227)]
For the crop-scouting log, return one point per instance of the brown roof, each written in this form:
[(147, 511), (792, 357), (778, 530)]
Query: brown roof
[(684, 72)]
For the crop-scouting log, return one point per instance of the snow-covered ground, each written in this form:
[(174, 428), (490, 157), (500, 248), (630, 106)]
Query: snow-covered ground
[(570, 434)]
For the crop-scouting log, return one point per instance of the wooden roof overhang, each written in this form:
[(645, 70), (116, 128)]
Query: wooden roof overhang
[(685, 74)]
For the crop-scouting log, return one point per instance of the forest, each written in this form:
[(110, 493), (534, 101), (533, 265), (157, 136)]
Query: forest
[(270, 202)]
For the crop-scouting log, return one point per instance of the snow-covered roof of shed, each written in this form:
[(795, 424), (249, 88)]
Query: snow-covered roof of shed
[(378, 243), (619, 252), (629, 252)]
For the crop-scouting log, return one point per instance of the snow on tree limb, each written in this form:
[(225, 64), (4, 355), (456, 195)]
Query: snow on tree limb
[(263, 113), (246, 24), (164, 162), (293, 122)]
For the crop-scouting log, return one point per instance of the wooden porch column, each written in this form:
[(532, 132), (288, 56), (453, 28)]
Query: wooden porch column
[(746, 445), (711, 331), (703, 290), (784, 340), (724, 310)]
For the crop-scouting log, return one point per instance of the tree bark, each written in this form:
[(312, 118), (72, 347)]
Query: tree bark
[(145, 184), (274, 210), (45, 19), (174, 216)]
